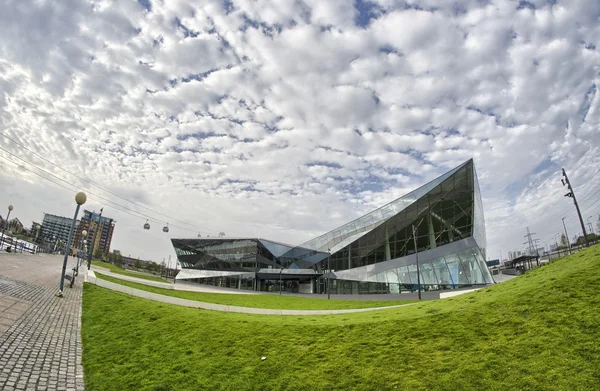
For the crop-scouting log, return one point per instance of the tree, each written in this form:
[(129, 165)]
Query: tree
[(118, 259), (137, 264), (563, 241), (98, 253), (598, 223)]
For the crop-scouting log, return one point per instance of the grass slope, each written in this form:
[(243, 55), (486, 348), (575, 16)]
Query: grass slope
[(130, 273), (539, 331), (262, 301)]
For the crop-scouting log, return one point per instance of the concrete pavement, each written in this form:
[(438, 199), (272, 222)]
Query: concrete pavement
[(40, 334)]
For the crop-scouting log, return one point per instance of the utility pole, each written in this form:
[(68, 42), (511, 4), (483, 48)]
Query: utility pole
[(532, 246), (528, 242), (567, 236), (571, 194)]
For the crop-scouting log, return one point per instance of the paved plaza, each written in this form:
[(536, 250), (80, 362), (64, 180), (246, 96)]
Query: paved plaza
[(40, 334)]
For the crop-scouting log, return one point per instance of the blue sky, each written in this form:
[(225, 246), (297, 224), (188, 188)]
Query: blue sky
[(285, 119)]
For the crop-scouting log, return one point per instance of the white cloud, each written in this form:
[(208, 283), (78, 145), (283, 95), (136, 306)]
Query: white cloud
[(254, 117)]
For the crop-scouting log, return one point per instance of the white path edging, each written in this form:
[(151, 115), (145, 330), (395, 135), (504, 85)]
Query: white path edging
[(91, 278), (156, 284), (182, 285), (446, 295)]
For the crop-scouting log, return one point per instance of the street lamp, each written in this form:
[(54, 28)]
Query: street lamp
[(556, 241), (80, 199), (84, 248), (10, 208), (83, 235)]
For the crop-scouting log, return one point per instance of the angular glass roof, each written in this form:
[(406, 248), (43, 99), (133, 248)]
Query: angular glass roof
[(347, 233)]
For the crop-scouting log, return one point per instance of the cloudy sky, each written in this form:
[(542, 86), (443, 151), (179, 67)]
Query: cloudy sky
[(284, 119)]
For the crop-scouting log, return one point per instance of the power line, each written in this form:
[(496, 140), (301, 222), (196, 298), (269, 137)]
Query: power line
[(25, 168), (91, 182), (59, 184), (586, 208), (115, 205), (75, 188), (590, 194), (589, 208), (587, 195)]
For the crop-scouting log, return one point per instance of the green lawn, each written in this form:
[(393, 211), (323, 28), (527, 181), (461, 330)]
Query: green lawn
[(540, 331), (263, 300), (130, 273)]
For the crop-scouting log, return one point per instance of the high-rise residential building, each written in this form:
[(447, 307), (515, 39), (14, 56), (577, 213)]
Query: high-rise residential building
[(442, 221), (55, 229), (100, 230)]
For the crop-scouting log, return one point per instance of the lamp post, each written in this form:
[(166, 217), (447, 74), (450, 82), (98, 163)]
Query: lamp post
[(83, 235), (80, 199), (556, 242), (84, 249), (175, 272), (10, 208), (417, 258), (280, 270)]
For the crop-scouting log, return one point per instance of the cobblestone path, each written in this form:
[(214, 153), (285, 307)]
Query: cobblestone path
[(40, 334)]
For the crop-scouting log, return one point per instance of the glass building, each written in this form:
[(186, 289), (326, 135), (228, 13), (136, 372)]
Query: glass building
[(372, 254)]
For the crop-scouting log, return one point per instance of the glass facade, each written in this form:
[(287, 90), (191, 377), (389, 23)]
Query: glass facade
[(442, 221)]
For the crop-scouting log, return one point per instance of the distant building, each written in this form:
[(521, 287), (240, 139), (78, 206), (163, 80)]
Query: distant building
[(129, 261), (100, 230), (493, 262), (35, 230), (15, 226), (55, 229)]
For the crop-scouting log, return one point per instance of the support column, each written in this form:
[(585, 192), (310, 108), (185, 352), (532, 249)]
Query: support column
[(431, 232), (349, 257), (388, 256)]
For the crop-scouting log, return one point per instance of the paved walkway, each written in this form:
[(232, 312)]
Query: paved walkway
[(179, 286), (40, 334), (91, 278)]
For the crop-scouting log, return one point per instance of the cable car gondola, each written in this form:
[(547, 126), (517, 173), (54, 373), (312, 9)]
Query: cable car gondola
[(166, 228), (147, 225)]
